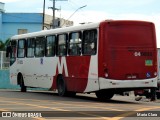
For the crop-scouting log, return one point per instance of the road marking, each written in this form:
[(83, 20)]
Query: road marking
[(55, 109), (35, 105), (40, 118), (22, 102), (51, 102), (3, 110)]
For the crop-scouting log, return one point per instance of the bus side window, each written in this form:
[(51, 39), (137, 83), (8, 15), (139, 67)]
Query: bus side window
[(40, 47), (50, 46), (30, 47), (75, 43), (89, 42), (62, 45), (21, 48)]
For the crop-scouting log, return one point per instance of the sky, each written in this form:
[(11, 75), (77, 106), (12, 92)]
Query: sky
[(95, 10)]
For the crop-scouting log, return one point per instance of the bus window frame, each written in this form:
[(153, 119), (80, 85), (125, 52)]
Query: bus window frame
[(54, 47), (23, 48), (33, 39), (93, 41), (57, 44), (77, 44), (43, 42)]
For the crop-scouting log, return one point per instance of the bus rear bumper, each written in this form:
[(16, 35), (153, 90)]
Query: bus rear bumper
[(143, 83)]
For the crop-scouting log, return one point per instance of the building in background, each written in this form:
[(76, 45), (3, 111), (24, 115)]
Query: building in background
[(20, 23), (58, 22)]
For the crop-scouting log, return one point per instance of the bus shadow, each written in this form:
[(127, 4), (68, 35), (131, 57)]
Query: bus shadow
[(106, 101), (49, 95), (82, 98)]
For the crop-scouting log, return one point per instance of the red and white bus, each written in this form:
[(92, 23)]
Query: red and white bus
[(105, 58)]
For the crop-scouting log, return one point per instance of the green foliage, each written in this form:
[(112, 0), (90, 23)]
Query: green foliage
[(4, 44), (7, 42)]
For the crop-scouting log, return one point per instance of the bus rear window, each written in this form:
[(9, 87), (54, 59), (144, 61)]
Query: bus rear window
[(130, 35)]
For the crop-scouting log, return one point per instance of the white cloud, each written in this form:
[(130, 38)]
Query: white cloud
[(9, 1), (94, 4), (129, 2), (80, 16), (95, 16)]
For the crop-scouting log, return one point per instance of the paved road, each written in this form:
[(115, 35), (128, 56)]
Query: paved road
[(42, 105)]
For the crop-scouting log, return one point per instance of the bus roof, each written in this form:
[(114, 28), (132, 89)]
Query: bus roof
[(56, 31), (69, 29)]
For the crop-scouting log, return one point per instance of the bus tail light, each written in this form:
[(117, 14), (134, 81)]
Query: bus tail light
[(155, 73), (106, 73)]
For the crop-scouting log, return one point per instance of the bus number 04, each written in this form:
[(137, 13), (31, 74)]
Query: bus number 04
[(137, 54)]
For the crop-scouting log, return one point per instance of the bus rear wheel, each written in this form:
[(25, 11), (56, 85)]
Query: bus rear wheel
[(71, 94), (158, 95), (104, 94), (23, 87), (61, 86)]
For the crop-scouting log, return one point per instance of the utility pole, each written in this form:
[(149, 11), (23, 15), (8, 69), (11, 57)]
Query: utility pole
[(43, 14), (53, 8), (53, 14)]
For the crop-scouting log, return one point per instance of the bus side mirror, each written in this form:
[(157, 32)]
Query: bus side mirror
[(8, 51)]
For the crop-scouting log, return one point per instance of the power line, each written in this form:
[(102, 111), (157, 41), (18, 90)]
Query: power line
[(74, 3), (76, 11)]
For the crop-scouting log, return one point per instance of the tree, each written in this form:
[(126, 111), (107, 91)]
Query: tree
[(7, 42), (2, 45)]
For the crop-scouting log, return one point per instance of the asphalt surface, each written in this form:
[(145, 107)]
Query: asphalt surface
[(43, 105)]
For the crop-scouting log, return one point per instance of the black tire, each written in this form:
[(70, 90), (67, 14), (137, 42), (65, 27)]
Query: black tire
[(23, 87), (104, 94), (158, 95), (147, 94), (61, 86), (71, 94)]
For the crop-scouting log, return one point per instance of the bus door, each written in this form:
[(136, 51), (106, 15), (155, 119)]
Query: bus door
[(12, 52)]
